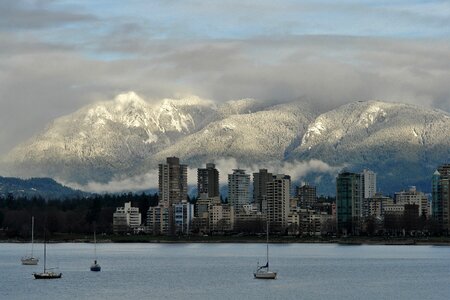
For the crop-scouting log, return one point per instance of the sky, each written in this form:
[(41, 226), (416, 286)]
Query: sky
[(57, 56)]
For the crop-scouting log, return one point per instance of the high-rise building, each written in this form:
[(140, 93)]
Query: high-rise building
[(208, 181), (278, 195), (238, 188), (172, 182), (172, 190), (441, 197), (348, 202), (260, 181), (306, 195), (368, 183)]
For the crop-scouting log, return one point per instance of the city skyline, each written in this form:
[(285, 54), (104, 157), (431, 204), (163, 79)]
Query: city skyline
[(181, 145)]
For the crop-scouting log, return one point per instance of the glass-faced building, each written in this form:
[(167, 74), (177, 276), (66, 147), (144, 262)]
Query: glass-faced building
[(441, 197), (348, 202)]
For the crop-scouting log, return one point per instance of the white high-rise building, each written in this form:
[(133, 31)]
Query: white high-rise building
[(368, 184), (238, 188)]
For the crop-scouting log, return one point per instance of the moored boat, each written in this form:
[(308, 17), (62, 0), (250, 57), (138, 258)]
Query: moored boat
[(30, 260), (263, 272)]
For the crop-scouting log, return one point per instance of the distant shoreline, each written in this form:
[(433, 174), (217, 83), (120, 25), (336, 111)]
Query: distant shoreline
[(351, 241)]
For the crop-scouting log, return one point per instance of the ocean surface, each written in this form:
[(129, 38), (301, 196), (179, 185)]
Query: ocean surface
[(225, 271)]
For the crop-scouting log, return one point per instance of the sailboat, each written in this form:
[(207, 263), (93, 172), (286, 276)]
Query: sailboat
[(95, 267), (47, 274), (30, 260), (263, 272)]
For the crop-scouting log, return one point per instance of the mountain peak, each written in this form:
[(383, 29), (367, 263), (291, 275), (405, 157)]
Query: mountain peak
[(129, 98)]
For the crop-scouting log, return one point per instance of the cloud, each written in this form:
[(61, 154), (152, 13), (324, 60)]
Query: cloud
[(298, 170), (132, 184), (29, 14), (39, 82), (56, 57)]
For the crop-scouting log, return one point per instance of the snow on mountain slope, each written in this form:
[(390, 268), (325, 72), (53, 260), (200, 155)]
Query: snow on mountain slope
[(127, 137), (111, 137), (401, 142), (250, 137)]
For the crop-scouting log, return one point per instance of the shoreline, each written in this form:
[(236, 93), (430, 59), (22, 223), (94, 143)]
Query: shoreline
[(351, 241)]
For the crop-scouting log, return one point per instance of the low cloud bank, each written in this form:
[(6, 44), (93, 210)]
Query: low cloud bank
[(298, 170)]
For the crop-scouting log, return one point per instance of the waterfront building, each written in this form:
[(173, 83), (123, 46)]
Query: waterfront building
[(221, 217), (308, 222), (183, 215), (260, 181), (368, 183), (172, 182), (203, 204), (412, 196), (348, 203), (278, 195), (375, 206), (441, 197), (126, 219), (307, 196), (249, 219), (208, 181), (202, 210), (172, 188), (238, 188), (158, 220), (393, 208)]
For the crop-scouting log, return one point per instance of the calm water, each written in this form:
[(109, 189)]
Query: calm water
[(224, 271)]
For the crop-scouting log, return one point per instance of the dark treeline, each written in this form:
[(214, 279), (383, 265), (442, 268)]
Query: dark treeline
[(70, 216)]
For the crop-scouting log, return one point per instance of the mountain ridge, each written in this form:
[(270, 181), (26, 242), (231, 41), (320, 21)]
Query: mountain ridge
[(46, 188), (128, 136)]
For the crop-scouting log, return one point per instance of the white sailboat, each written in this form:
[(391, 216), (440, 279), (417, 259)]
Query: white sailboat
[(30, 260), (263, 272), (47, 274), (95, 267)]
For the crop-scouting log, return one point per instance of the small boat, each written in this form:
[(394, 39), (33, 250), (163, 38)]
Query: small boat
[(95, 267), (30, 260), (263, 272), (47, 274)]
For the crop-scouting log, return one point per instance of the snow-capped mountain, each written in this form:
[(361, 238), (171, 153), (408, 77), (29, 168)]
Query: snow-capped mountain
[(402, 143), (109, 138), (128, 136)]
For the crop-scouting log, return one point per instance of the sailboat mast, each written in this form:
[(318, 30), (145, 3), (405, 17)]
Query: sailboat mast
[(95, 245), (45, 236), (267, 244), (45, 246), (32, 235)]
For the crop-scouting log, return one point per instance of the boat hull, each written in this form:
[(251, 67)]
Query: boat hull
[(30, 261), (265, 275), (47, 275), (96, 268)]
